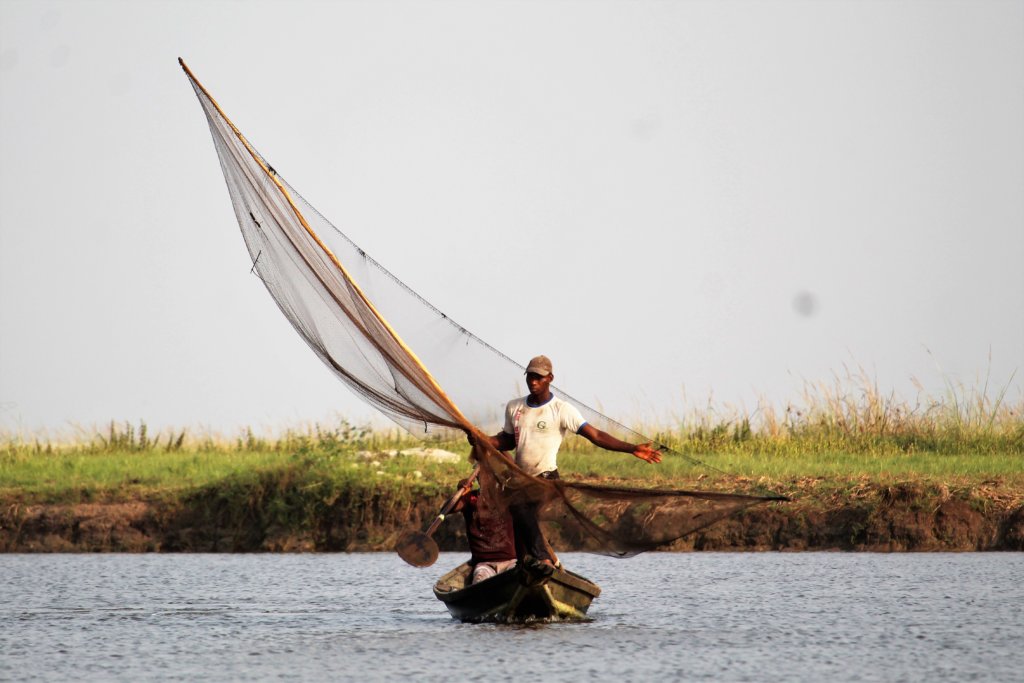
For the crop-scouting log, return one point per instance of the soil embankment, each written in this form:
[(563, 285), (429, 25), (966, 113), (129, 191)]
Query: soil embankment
[(864, 516)]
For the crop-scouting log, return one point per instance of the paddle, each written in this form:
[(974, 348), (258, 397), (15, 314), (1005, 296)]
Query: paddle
[(417, 547)]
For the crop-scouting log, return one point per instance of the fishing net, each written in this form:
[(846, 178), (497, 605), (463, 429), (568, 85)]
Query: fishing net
[(365, 324), (612, 520)]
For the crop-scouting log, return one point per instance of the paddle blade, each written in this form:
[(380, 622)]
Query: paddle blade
[(416, 548)]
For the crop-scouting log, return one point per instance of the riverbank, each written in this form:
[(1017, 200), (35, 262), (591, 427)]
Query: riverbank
[(870, 475), (278, 512)]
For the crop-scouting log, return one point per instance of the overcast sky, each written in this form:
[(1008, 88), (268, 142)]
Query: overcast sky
[(672, 200)]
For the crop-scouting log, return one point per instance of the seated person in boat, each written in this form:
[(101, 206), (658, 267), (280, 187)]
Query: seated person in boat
[(535, 426), (489, 530)]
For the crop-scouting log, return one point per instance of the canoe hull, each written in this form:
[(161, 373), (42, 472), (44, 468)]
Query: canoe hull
[(518, 595)]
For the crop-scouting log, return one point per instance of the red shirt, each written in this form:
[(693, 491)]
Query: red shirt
[(489, 530)]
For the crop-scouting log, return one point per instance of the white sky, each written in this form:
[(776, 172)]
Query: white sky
[(669, 199)]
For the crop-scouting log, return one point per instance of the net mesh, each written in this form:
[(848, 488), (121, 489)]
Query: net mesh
[(365, 324)]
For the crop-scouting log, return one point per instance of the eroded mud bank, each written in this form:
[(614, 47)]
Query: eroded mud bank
[(865, 517)]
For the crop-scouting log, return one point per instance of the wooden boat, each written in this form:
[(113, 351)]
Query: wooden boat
[(531, 593)]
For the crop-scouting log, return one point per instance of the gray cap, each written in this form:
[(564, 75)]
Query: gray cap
[(540, 365)]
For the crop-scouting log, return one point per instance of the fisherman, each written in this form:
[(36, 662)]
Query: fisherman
[(535, 426), (490, 534)]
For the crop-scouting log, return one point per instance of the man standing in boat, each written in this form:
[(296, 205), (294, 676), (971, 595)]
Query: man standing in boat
[(535, 426)]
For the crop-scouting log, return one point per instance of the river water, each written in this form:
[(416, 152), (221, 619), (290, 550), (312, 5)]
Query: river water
[(697, 616)]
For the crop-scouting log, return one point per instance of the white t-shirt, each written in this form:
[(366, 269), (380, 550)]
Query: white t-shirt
[(539, 430)]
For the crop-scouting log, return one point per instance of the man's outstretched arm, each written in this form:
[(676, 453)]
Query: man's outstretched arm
[(610, 443)]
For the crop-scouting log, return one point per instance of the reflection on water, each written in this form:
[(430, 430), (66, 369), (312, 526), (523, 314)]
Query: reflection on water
[(735, 617)]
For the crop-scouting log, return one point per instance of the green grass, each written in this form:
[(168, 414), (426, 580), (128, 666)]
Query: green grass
[(64, 474), (832, 464), (109, 475), (845, 431), (90, 473)]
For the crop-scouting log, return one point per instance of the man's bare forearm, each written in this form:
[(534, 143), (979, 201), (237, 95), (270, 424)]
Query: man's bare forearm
[(610, 443), (502, 441)]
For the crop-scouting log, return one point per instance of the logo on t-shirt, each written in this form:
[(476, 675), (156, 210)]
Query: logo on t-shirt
[(542, 425)]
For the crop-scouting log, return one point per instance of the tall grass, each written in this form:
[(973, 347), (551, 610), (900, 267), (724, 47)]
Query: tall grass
[(851, 414), (843, 428), (124, 461)]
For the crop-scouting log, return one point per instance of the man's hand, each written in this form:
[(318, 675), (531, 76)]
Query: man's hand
[(646, 453), (500, 441)]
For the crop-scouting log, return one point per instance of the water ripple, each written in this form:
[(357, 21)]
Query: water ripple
[(735, 617)]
